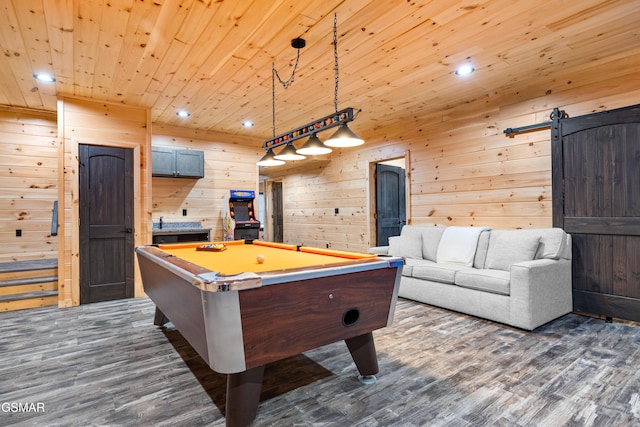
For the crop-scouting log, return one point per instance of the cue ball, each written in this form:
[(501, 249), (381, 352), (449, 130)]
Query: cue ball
[(260, 259)]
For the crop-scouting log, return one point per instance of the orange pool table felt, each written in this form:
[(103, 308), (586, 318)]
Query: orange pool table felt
[(240, 257)]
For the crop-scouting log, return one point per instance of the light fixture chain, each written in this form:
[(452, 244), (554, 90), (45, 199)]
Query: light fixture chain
[(289, 82), (335, 58), (273, 99), (285, 85)]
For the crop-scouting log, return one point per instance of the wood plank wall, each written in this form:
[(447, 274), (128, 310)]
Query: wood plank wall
[(83, 121), (463, 170), (28, 184), (227, 165)]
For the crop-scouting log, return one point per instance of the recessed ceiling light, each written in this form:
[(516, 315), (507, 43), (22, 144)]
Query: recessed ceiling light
[(44, 77), (247, 124), (465, 70), (183, 114)]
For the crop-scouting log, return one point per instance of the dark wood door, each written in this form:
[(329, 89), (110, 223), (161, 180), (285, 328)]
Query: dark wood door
[(277, 214), (106, 223), (598, 156), (391, 211)]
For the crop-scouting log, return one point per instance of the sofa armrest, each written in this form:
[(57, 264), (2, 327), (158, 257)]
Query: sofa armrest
[(540, 291), (379, 250)]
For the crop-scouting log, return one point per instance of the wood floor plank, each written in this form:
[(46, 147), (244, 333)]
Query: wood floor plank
[(106, 364)]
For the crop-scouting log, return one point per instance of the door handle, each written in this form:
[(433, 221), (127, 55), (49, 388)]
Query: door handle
[(127, 230)]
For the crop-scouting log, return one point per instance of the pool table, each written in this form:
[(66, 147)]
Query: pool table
[(240, 313)]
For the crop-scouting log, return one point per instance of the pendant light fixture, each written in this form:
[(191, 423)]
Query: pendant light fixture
[(343, 137), (313, 147), (269, 160), (289, 153)]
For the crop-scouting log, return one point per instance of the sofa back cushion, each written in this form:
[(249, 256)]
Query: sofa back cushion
[(406, 246), (554, 243), (508, 247), (430, 236)]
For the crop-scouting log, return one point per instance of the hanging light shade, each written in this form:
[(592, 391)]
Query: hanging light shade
[(344, 137), (313, 147), (289, 153), (269, 160)]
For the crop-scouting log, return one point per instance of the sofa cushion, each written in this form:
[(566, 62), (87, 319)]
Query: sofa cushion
[(406, 246), (409, 263), (436, 272), (458, 245), (430, 235), (495, 281), (508, 247)]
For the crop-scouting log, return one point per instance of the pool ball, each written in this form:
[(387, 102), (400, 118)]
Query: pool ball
[(260, 259)]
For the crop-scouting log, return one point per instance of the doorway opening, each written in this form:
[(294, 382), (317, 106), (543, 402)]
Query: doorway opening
[(389, 202), (271, 210)]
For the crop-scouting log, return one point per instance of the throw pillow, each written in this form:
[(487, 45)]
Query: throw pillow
[(406, 246), (508, 247), (458, 245)]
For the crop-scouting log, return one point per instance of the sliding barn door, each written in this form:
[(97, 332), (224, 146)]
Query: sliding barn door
[(597, 158)]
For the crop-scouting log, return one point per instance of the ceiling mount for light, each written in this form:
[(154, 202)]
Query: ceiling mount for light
[(298, 43)]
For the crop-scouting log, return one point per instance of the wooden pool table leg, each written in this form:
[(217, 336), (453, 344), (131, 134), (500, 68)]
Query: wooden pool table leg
[(160, 319), (243, 396), (363, 352)]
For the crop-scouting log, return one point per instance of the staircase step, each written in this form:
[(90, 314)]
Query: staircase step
[(31, 300), (28, 281), (19, 275), (36, 264), (28, 284), (24, 286)]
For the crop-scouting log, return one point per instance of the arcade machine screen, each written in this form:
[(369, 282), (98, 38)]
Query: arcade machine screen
[(241, 211), (240, 221)]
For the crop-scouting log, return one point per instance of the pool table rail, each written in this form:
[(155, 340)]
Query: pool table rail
[(212, 281)]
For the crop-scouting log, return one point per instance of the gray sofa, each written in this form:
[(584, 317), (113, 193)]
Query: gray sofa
[(520, 278)]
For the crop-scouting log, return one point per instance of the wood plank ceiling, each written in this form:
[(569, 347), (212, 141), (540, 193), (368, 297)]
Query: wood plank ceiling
[(214, 57)]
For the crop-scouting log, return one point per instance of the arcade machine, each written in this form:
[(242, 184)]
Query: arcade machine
[(240, 221)]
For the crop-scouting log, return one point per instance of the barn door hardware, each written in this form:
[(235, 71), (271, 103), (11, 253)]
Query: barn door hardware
[(556, 114)]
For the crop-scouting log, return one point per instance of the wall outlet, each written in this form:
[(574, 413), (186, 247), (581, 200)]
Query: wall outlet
[(184, 212), (18, 233)]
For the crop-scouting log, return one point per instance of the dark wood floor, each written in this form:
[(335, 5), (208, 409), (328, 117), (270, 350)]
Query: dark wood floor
[(106, 364)]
